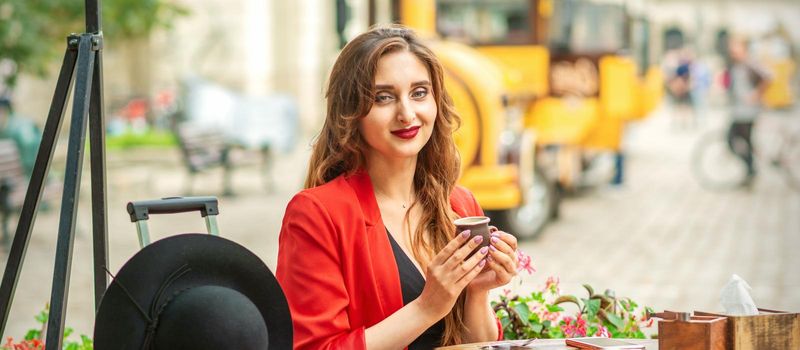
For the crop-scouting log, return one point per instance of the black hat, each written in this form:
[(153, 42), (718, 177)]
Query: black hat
[(193, 291)]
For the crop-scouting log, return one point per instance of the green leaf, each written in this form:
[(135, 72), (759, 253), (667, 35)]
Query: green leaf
[(537, 327), (505, 321), (524, 313), (592, 307), (589, 289), (567, 299), (33, 334), (42, 316), (86, 342), (68, 331), (615, 320), (554, 308), (30, 38), (510, 335), (625, 305), (556, 332)]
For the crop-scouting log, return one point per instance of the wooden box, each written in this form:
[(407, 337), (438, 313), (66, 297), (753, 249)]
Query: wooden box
[(699, 333), (768, 330)]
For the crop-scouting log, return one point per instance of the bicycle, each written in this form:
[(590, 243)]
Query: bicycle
[(716, 164)]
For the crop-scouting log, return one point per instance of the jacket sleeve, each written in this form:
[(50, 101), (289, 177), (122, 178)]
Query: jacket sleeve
[(464, 202), (310, 275), (476, 208)]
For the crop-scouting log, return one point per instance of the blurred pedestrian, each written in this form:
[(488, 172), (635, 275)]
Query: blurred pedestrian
[(681, 71), (23, 131), (746, 82), (368, 255)]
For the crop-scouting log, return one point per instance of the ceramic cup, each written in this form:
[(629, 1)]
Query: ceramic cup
[(478, 226)]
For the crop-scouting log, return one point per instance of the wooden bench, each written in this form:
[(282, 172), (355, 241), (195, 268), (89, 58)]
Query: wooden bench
[(204, 149), (14, 186)]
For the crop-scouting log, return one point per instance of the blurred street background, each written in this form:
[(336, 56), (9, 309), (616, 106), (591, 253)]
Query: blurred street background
[(604, 128)]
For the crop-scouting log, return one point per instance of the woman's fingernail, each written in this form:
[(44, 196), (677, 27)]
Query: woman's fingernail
[(482, 263), (495, 239), (478, 239), (465, 233), (484, 250), (492, 248)]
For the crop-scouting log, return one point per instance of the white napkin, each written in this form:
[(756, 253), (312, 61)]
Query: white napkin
[(735, 298)]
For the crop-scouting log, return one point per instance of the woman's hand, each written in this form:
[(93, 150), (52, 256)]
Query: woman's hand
[(502, 262), (448, 274)]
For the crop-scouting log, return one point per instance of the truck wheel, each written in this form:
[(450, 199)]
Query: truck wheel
[(529, 219)]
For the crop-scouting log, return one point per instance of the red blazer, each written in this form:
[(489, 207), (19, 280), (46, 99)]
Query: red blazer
[(336, 265)]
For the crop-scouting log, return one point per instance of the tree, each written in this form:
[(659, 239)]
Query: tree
[(33, 32)]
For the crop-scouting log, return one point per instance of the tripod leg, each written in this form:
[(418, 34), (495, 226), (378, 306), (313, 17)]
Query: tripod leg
[(69, 200), (36, 184), (97, 144)]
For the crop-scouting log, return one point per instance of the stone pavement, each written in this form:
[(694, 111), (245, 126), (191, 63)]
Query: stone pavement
[(661, 239), (668, 243)]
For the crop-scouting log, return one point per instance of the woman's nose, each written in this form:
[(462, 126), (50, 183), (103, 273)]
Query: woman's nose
[(405, 112)]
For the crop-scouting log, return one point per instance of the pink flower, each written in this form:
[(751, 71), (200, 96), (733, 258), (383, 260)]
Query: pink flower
[(524, 262), (550, 316), (602, 331), (574, 327), (552, 285)]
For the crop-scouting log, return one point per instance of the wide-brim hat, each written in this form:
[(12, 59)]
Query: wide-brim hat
[(166, 269)]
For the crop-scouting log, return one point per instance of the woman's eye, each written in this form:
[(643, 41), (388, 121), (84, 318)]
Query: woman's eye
[(419, 93), (383, 98)]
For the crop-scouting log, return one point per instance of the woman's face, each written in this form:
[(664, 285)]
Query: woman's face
[(401, 119)]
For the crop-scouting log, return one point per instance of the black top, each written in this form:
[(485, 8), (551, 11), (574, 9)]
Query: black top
[(411, 283)]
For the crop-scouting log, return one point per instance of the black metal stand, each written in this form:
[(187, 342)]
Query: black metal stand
[(82, 61)]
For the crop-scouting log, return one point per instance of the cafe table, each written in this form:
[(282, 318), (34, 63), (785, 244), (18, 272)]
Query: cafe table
[(537, 344)]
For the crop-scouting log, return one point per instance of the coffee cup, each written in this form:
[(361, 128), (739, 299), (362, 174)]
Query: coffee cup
[(478, 226)]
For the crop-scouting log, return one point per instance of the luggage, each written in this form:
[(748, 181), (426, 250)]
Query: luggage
[(140, 212)]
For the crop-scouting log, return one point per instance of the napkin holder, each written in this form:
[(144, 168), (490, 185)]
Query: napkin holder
[(681, 331), (769, 329)]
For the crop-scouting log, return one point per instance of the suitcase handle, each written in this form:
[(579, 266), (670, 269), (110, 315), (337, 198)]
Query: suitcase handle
[(140, 212)]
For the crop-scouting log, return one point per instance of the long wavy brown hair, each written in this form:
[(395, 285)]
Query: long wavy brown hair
[(340, 148)]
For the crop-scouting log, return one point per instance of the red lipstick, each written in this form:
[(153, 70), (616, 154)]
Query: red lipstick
[(407, 133)]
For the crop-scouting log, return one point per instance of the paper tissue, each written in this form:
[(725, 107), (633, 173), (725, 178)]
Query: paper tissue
[(750, 328), (736, 299)]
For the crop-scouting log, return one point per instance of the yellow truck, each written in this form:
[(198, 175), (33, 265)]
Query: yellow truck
[(561, 62), (779, 94), (533, 107)]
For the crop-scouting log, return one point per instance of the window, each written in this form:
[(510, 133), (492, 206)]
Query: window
[(582, 26), (485, 22)]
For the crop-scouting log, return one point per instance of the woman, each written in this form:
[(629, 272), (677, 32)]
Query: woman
[(368, 256)]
